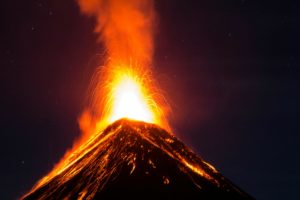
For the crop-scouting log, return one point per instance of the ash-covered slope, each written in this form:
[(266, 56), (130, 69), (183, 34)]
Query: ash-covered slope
[(136, 160)]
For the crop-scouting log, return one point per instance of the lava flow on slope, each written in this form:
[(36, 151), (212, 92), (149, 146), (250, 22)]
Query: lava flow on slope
[(136, 160)]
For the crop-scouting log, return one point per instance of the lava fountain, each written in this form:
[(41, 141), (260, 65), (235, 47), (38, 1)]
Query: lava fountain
[(124, 87)]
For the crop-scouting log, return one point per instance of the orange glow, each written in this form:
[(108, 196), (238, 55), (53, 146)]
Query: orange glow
[(123, 92), (129, 101)]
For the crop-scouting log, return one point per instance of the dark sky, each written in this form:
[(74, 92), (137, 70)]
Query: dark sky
[(229, 68)]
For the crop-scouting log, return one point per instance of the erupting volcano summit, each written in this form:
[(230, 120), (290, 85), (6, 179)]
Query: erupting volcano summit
[(124, 158), (136, 160)]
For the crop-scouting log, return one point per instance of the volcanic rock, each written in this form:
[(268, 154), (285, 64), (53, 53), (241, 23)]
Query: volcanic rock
[(136, 160)]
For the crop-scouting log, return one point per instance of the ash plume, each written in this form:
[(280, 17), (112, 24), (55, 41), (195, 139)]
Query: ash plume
[(125, 27)]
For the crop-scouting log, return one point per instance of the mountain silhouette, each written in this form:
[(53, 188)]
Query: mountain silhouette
[(136, 160)]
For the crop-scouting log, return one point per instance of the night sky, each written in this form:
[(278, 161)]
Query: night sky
[(229, 68)]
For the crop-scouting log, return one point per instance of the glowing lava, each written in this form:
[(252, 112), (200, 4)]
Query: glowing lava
[(123, 91), (129, 101)]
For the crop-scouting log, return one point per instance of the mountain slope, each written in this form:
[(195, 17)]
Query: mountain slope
[(136, 160)]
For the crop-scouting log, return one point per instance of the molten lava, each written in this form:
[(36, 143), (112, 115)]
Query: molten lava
[(122, 91), (129, 101)]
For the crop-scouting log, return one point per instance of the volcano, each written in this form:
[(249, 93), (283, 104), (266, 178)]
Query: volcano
[(136, 160)]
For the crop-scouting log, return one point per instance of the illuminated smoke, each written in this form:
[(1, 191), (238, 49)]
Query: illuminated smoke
[(125, 27), (124, 87)]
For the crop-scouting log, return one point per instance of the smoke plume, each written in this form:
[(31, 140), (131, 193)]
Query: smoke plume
[(125, 27)]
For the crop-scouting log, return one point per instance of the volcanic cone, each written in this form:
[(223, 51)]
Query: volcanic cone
[(136, 160)]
